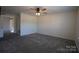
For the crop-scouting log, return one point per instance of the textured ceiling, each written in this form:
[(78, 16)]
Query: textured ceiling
[(26, 9)]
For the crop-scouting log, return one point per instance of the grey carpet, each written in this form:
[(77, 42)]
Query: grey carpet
[(36, 43)]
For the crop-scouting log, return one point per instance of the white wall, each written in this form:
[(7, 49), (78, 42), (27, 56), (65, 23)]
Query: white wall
[(77, 30), (28, 24), (77, 25), (4, 24), (17, 24), (1, 30), (59, 24)]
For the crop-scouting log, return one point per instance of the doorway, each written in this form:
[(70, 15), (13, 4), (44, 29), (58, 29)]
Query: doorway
[(12, 27), (8, 26)]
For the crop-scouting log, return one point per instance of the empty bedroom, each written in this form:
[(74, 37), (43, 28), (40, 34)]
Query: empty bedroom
[(39, 29)]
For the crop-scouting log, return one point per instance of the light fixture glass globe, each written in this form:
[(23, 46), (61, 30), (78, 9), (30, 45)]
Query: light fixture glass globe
[(37, 14)]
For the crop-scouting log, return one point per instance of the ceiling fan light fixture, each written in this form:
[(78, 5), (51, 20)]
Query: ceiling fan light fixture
[(38, 14), (39, 11)]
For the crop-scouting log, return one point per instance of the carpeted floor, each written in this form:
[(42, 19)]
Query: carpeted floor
[(36, 43)]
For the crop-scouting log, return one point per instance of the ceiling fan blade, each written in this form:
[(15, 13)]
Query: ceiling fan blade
[(44, 9), (32, 8)]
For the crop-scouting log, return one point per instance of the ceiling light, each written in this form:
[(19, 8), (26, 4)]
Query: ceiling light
[(38, 14), (39, 11)]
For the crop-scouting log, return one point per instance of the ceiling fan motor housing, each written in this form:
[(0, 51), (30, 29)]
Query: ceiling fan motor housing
[(38, 10)]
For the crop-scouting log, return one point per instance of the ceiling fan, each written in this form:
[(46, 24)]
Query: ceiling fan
[(39, 11)]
